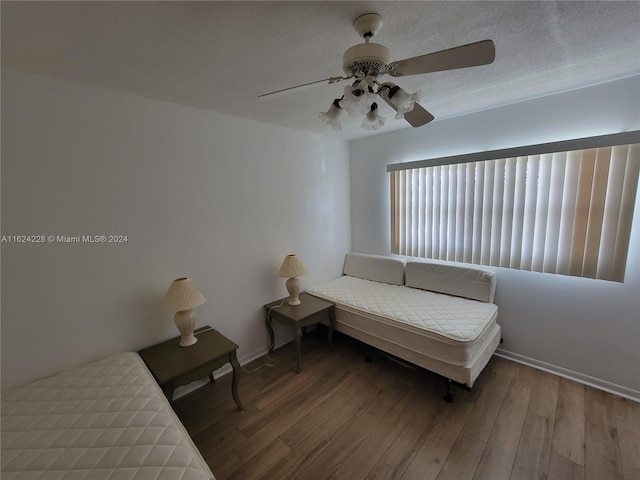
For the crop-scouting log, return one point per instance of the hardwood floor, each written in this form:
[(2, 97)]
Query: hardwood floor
[(342, 418)]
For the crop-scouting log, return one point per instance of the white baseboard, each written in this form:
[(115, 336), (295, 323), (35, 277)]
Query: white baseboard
[(600, 384)]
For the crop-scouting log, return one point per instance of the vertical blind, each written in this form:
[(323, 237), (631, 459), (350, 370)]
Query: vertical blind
[(566, 212)]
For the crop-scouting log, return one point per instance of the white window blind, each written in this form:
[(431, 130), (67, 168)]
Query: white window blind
[(566, 212)]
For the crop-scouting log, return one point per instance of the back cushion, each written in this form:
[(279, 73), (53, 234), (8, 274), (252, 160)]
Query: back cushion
[(452, 280), (374, 267)]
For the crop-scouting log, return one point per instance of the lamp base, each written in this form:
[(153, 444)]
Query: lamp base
[(188, 341), (293, 287), (186, 321)]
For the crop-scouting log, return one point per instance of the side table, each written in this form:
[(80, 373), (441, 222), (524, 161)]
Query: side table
[(310, 311), (174, 366)]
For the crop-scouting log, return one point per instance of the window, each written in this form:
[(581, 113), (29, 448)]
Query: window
[(557, 210)]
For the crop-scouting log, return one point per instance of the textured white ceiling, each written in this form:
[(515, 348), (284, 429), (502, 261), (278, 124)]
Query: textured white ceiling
[(222, 55)]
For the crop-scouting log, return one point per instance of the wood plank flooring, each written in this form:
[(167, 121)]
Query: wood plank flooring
[(342, 418)]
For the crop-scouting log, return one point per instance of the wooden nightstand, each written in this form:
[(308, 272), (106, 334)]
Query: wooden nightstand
[(174, 366), (309, 312)]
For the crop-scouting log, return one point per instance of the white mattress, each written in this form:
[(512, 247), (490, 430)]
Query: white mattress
[(450, 329), (106, 420)]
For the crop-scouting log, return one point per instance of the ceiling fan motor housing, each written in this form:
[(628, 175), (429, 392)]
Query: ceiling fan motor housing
[(365, 59)]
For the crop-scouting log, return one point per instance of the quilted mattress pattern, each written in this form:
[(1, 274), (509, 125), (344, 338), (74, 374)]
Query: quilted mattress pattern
[(457, 319), (105, 420)]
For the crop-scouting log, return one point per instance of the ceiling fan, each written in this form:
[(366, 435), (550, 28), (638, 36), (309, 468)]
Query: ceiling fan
[(366, 62)]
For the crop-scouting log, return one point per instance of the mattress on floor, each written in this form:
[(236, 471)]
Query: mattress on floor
[(450, 329), (105, 420)]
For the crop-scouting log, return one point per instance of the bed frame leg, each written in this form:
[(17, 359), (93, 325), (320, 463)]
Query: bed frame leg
[(448, 397), (367, 357)]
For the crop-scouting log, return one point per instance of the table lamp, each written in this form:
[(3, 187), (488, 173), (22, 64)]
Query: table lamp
[(291, 269), (181, 298)]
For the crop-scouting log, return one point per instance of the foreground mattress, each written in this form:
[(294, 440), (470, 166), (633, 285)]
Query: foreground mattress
[(451, 331), (106, 420)]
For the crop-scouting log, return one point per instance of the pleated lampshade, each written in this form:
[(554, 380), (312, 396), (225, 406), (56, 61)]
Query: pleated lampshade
[(291, 267), (182, 295)]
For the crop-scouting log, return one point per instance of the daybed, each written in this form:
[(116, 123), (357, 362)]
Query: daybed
[(435, 315), (106, 420)]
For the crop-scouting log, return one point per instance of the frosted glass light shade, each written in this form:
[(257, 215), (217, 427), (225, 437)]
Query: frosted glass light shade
[(357, 99), (403, 101), (373, 120), (291, 269), (181, 298), (332, 116)]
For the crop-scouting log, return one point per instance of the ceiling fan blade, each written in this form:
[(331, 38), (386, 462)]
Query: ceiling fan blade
[(470, 55), (304, 86), (417, 117)]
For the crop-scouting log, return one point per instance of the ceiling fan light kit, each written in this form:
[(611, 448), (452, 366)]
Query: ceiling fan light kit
[(367, 61)]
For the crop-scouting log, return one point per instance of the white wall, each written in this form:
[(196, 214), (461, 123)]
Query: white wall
[(588, 329), (216, 198)]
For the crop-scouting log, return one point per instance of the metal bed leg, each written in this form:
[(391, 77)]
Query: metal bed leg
[(367, 357), (448, 397)]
